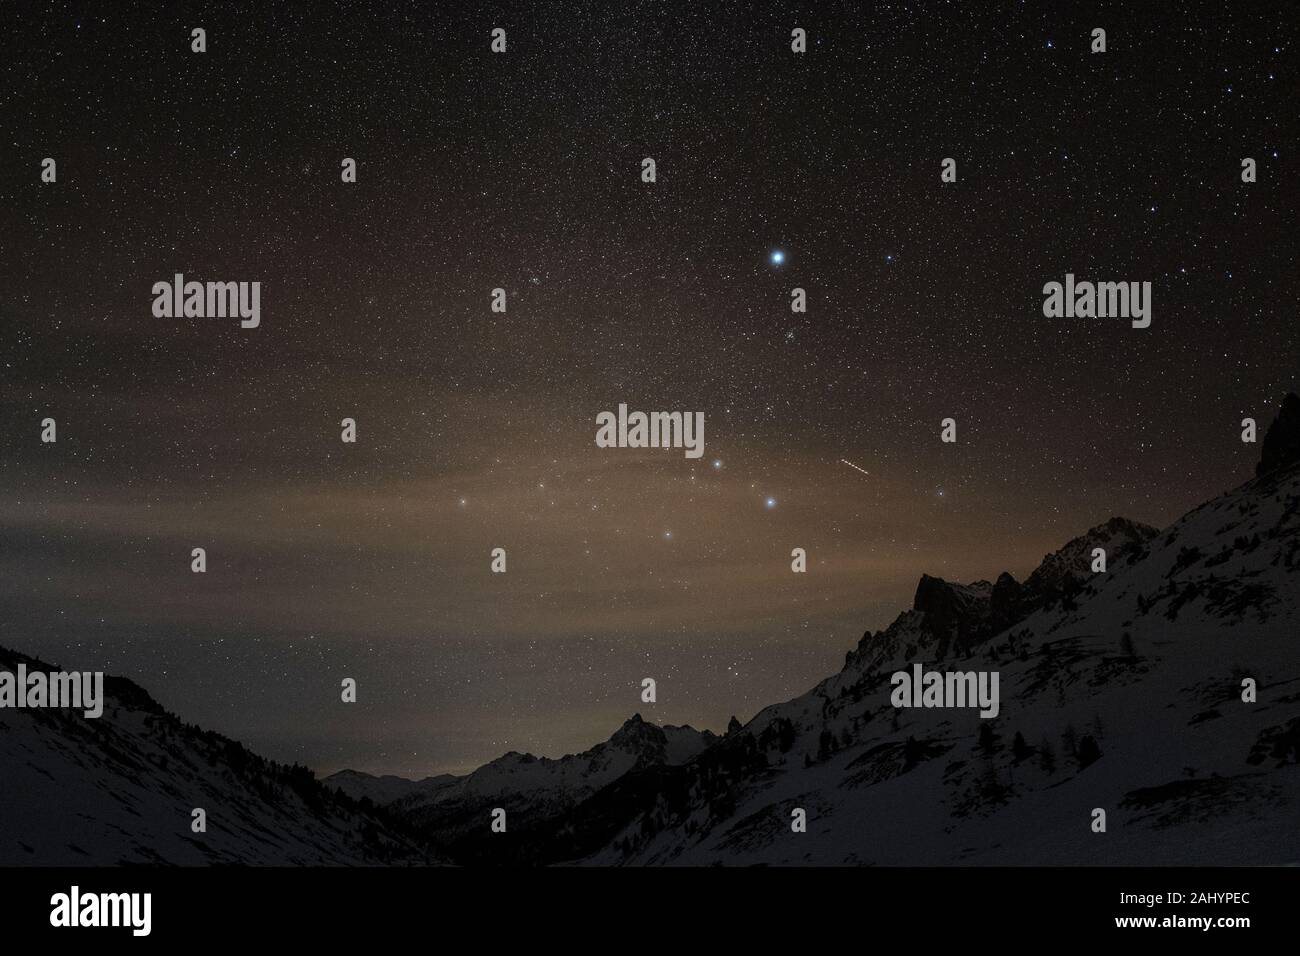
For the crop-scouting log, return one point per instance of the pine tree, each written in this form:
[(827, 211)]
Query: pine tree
[(988, 740), (1070, 741), (1089, 752), (912, 753), (1047, 756), (1098, 729), (825, 745), (786, 734), (1019, 749)]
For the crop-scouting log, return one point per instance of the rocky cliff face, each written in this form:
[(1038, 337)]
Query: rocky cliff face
[(1282, 440)]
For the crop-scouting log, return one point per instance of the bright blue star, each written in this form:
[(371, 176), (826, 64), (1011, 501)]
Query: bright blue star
[(778, 257), (771, 502)]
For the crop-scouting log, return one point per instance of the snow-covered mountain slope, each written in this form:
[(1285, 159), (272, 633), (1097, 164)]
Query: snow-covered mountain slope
[(1120, 691), (121, 788), (566, 779), (635, 745), (1123, 693), (454, 812)]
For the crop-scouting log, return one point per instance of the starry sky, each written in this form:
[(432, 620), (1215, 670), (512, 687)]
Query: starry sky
[(476, 429)]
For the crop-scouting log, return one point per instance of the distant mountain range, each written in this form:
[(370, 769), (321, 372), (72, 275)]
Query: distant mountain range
[(453, 811), (1121, 691)]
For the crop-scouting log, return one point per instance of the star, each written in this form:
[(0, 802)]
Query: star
[(488, 400)]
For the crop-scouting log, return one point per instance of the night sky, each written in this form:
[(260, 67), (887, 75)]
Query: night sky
[(476, 430)]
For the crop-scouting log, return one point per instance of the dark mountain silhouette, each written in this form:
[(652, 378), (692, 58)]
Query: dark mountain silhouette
[(1282, 440), (535, 791), (120, 789)]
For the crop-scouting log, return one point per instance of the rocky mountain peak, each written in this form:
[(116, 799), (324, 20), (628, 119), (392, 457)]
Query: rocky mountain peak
[(1282, 440), (1070, 564), (638, 736)]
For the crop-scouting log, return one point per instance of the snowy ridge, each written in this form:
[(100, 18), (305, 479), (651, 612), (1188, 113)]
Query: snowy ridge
[(120, 789), (1120, 690), (1122, 693), (535, 791)]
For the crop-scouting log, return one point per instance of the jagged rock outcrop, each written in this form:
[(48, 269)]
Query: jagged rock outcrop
[(953, 613), (1281, 445), (1005, 602), (1062, 572)]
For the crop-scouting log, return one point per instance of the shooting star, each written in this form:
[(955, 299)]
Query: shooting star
[(851, 465)]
